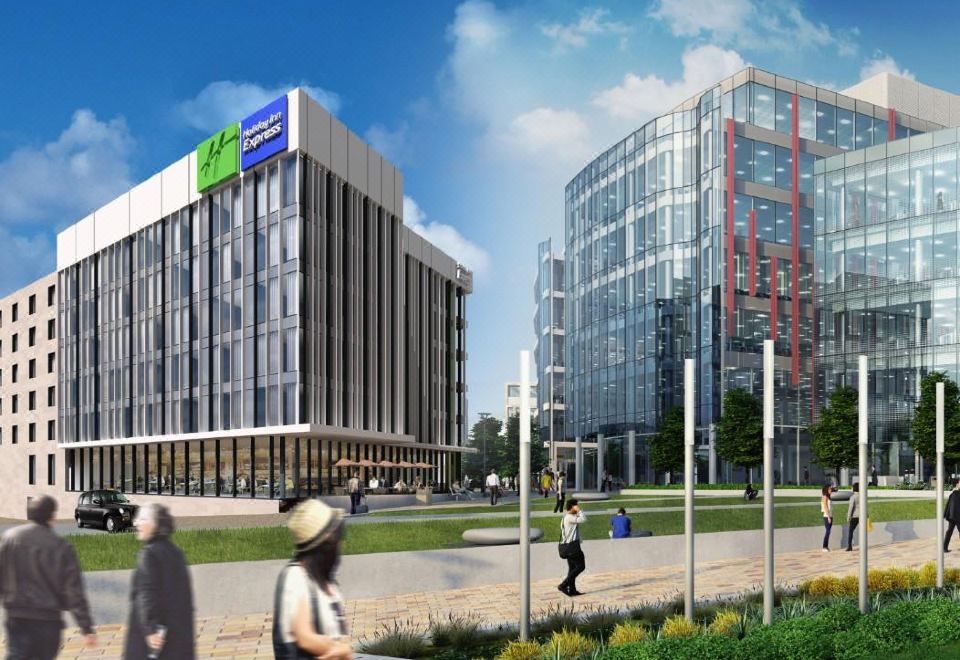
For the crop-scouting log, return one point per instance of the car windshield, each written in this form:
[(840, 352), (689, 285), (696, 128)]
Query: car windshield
[(115, 498)]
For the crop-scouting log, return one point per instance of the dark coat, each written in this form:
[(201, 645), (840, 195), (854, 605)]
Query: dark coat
[(160, 595), (952, 510)]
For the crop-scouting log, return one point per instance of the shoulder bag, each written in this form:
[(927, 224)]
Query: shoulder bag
[(567, 548)]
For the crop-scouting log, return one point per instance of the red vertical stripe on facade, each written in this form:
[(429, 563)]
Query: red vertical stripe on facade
[(752, 247), (795, 254), (813, 351), (731, 325), (773, 298), (891, 124)]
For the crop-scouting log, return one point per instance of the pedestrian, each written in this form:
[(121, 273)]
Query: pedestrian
[(603, 482), (546, 483), (620, 527), (39, 578), (826, 508), (309, 616), (609, 482), (952, 514), (853, 516), (570, 549), (355, 490), (750, 493), (873, 476), (160, 623), (493, 485), (561, 491), (806, 475)]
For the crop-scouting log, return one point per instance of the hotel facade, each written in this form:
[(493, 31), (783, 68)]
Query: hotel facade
[(256, 313)]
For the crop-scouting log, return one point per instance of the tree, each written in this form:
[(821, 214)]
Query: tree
[(740, 429), (483, 437), (924, 438), (835, 435), (666, 447), (509, 448)]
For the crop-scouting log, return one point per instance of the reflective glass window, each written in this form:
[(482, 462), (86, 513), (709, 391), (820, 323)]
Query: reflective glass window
[(764, 164), (921, 182), (766, 221), (898, 186), (945, 178), (764, 112), (826, 123), (784, 111), (864, 131), (743, 158), (808, 118), (784, 160), (784, 223), (876, 192), (845, 132)]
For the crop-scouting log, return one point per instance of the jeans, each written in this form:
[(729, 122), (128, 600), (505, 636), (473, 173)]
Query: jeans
[(354, 501), (494, 494), (853, 525), (560, 502), (32, 639), (946, 539), (576, 565), (827, 526)]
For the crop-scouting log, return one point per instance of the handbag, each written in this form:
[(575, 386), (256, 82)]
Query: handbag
[(567, 549)]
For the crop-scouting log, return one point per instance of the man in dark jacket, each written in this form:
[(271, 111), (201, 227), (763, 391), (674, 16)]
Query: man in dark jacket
[(952, 514), (40, 577)]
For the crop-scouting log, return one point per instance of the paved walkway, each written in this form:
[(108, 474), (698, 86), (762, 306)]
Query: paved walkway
[(248, 636)]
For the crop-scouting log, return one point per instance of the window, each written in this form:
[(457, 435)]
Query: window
[(51, 395), (32, 465), (14, 403), (51, 328), (32, 304), (32, 369), (51, 295), (32, 400), (16, 371), (13, 434), (13, 312), (51, 359), (32, 336), (32, 432), (15, 342), (51, 469), (51, 430)]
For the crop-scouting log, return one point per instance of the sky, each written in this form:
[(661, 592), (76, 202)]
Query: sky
[(489, 108)]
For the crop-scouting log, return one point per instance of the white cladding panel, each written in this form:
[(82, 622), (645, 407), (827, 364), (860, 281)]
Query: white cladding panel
[(86, 237), (192, 177), (296, 120), (175, 190), (67, 247), (112, 222), (145, 203)]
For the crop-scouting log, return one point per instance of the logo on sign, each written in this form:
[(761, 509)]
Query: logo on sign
[(217, 158), (264, 133)]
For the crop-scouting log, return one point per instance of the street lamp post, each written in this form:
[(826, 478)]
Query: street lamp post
[(862, 407), (768, 481), (524, 495), (940, 484), (689, 398)]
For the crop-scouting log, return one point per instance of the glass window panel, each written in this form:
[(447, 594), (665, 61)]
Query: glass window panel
[(876, 192), (864, 131), (244, 468), (742, 204), (290, 350), (945, 248), (743, 158), (945, 178), (921, 182), (262, 461), (845, 132), (764, 164), (274, 188), (784, 223), (784, 111), (898, 186), (195, 469), (763, 107), (765, 219), (225, 473), (808, 118), (179, 467), (274, 244), (273, 301), (784, 163), (290, 296), (209, 479), (290, 227), (855, 200), (806, 172), (826, 123), (289, 180)]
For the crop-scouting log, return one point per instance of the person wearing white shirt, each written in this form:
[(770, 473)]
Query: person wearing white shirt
[(493, 485), (570, 547)]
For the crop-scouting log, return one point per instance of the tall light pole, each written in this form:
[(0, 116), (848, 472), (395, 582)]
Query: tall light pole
[(863, 410), (768, 481), (940, 484), (689, 398), (524, 495)]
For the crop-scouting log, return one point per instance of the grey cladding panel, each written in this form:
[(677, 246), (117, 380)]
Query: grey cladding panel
[(318, 131), (339, 148), (387, 188), (374, 168), (357, 162)]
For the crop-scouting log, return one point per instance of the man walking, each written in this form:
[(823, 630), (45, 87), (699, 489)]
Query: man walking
[(853, 515), (570, 547), (561, 492), (40, 577), (355, 490), (952, 514), (493, 484)]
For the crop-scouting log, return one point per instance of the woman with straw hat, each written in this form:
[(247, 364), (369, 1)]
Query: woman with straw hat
[(309, 616)]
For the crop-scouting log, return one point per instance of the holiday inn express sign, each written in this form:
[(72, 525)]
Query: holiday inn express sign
[(241, 146)]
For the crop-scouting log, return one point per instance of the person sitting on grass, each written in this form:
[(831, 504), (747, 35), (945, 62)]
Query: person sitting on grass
[(620, 525), (750, 493)]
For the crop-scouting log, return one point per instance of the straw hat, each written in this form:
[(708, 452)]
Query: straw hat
[(312, 522)]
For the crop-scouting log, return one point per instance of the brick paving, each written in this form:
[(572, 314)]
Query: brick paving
[(248, 636)]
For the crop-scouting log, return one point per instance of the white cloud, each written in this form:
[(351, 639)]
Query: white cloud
[(24, 258), (560, 135), (446, 238), (477, 23), (85, 167), (226, 101), (638, 98), (883, 64), (753, 25), (392, 145), (592, 22)]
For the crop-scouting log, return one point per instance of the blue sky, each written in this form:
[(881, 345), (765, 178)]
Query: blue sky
[(488, 108)]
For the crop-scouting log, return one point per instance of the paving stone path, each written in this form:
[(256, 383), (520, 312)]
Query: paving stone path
[(248, 636)]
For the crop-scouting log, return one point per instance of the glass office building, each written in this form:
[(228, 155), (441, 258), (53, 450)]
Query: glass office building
[(887, 278), (237, 333), (693, 237), (548, 294)]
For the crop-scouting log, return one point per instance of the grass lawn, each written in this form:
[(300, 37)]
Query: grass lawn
[(118, 551)]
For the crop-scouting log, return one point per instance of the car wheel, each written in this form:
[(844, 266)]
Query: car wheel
[(110, 524), (79, 524)]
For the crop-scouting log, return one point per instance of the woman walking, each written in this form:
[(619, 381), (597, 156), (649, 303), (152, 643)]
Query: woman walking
[(826, 508), (853, 516), (561, 492), (570, 547), (308, 619), (160, 624)]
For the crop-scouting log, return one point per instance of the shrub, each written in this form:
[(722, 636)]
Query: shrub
[(555, 619), (628, 632), (678, 626), (726, 622), (850, 585), (889, 579), (803, 639), (568, 645), (856, 643), (702, 647), (457, 630), (599, 621), (823, 586), (893, 628), (927, 575), (402, 640), (649, 614), (940, 624), (842, 615), (518, 650)]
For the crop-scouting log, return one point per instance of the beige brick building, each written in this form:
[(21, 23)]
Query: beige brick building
[(31, 464)]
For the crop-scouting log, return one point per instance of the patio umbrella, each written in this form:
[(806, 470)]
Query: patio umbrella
[(344, 462), (387, 464), (405, 464), (425, 465), (366, 462)]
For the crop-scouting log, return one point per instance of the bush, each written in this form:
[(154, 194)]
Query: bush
[(803, 639), (727, 622), (890, 579), (895, 627), (457, 630), (679, 626), (402, 640), (568, 645), (555, 619), (517, 650), (940, 624), (628, 632), (702, 647), (823, 586), (599, 621), (842, 615)]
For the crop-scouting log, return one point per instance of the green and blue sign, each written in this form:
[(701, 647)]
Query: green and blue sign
[(241, 146)]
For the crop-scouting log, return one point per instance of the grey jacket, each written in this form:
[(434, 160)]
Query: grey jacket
[(40, 576), (853, 511)]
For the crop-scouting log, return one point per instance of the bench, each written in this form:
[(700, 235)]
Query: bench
[(499, 535)]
